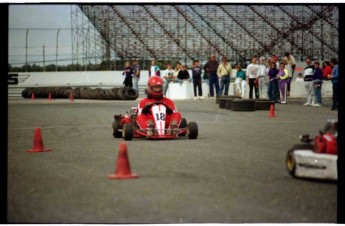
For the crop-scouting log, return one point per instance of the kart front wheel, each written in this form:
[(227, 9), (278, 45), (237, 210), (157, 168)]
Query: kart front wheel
[(291, 163), (290, 157), (116, 126), (183, 125), (127, 131), (192, 130)]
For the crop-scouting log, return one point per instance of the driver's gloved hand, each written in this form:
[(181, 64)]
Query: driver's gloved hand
[(146, 109), (169, 110)]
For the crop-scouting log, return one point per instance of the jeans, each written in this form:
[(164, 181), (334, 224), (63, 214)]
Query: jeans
[(272, 90), (135, 83), (251, 86), (224, 83), (165, 87), (213, 82), (317, 94), (195, 85), (309, 90), (335, 95)]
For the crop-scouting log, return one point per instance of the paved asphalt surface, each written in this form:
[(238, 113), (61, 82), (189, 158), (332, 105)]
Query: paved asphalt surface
[(233, 173)]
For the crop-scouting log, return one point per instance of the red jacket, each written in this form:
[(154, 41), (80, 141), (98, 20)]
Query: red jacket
[(326, 71), (164, 100)]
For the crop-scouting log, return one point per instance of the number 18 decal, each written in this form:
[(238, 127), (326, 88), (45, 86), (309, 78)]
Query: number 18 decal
[(160, 116)]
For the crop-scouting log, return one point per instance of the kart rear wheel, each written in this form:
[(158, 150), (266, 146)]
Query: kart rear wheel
[(116, 126), (127, 131), (192, 130), (290, 157), (183, 125)]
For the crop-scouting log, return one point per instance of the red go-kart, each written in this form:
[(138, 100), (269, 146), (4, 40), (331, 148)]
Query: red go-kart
[(126, 126)]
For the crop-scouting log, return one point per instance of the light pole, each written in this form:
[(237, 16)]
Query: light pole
[(57, 48), (26, 51)]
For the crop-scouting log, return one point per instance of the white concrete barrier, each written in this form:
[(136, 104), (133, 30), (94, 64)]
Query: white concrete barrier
[(115, 78)]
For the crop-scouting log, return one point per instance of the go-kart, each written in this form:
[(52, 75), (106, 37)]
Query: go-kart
[(317, 160), (126, 126)]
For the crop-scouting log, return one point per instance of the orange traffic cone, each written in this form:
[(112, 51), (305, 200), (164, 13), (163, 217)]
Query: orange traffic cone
[(49, 96), (38, 143), (71, 98), (123, 169), (32, 96), (271, 113)]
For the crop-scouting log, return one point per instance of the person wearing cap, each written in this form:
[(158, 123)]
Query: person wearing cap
[(168, 76), (136, 75), (224, 72), (154, 69), (317, 84)]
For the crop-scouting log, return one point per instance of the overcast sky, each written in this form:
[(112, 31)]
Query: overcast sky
[(31, 16)]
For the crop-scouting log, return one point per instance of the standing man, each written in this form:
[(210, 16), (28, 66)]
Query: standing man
[(290, 60), (252, 74), (154, 69), (136, 75), (262, 78), (308, 81), (211, 69), (224, 72), (334, 77)]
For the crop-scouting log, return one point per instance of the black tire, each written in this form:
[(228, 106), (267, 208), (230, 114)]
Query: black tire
[(226, 97), (263, 104), (192, 130), (127, 131), (116, 126), (290, 160), (130, 93), (183, 124), (243, 105), (228, 103), (222, 102), (121, 93)]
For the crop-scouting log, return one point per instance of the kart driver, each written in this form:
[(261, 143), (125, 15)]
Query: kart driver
[(155, 95)]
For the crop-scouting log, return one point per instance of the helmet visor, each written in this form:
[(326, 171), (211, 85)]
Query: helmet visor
[(157, 88)]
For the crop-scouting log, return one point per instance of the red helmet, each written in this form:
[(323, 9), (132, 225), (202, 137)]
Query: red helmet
[(155, 87)]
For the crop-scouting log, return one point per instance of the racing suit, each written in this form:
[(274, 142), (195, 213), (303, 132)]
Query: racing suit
[(143, 119)]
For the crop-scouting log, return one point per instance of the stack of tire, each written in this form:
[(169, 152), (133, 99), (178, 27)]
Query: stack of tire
[(123, 93), (235, 103)]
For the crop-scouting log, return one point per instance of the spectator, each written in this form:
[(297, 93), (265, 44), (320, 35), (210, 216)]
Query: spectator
[(289, 69), (252, 77), (196, 75), (300, 78), (273, 82), (317, 84), (211, 69), (326, 69), (183, 74), (275, 60), (308, 83), (334, 77), (127, 73), (136, 74), (224, 72), (177, 68), (262, 78), (154, 69), (241, 81), (168, 76), (283, 76), (292, 62)]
